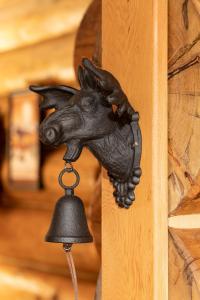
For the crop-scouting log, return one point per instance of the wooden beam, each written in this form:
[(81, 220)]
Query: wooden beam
[(184, 107), (184, 142), (48, 257), (134, 241), (24, 23), (187, 221), (183, 42), (88, 38), (51, 60)]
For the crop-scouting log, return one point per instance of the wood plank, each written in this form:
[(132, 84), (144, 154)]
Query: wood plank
[(187, 221), (95, 214), (25, 22), (134, 251), (23, 141), (25, 284)]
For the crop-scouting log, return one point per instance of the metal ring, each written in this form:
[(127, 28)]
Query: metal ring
[(68, 170)]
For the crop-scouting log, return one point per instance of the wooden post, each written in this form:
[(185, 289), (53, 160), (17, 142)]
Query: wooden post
[(135, 248)]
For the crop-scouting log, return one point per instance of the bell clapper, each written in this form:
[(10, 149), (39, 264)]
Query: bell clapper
[(67, 248)]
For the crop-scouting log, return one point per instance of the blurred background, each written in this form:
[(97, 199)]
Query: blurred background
[(42, 42)]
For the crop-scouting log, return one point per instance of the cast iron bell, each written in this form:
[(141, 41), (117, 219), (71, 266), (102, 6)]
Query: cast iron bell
[(69, 223)]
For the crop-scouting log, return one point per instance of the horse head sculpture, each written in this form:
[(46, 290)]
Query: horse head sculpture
[(86, 118)]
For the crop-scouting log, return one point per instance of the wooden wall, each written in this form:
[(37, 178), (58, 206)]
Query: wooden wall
[(28, 32), (37, 46), (184, 139)]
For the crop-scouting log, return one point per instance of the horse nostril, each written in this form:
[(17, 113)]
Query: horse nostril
[(51, 135)]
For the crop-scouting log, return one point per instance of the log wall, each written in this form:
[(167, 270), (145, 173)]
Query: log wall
[(184, 142)]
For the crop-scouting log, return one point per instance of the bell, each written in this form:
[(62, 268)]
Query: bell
[(69, 224)]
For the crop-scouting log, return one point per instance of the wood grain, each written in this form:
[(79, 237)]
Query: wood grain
[(26, 23), (134, 250), (187, 221), (184, 142), (183, 43), (179, 286), (187, 206), (184, 93), (187, 245)]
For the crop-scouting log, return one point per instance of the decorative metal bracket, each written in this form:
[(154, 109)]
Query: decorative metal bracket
[(86, 118)]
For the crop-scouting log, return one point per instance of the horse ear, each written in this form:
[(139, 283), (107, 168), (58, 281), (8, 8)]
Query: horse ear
[(86, 79), (54, 96), (81, 78)]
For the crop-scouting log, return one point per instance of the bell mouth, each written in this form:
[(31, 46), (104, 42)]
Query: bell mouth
[(69, 240)]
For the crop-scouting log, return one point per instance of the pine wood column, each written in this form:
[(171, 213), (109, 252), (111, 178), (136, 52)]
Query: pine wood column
[(134, 241)]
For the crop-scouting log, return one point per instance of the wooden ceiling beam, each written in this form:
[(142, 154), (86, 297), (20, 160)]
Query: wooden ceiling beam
[(49, 61), (28, 22)]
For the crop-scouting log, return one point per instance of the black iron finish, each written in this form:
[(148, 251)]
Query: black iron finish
[(69, 223), (86, 118)]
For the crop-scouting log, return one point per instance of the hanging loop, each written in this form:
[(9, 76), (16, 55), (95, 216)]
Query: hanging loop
[(70, 165), (68, 170)]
